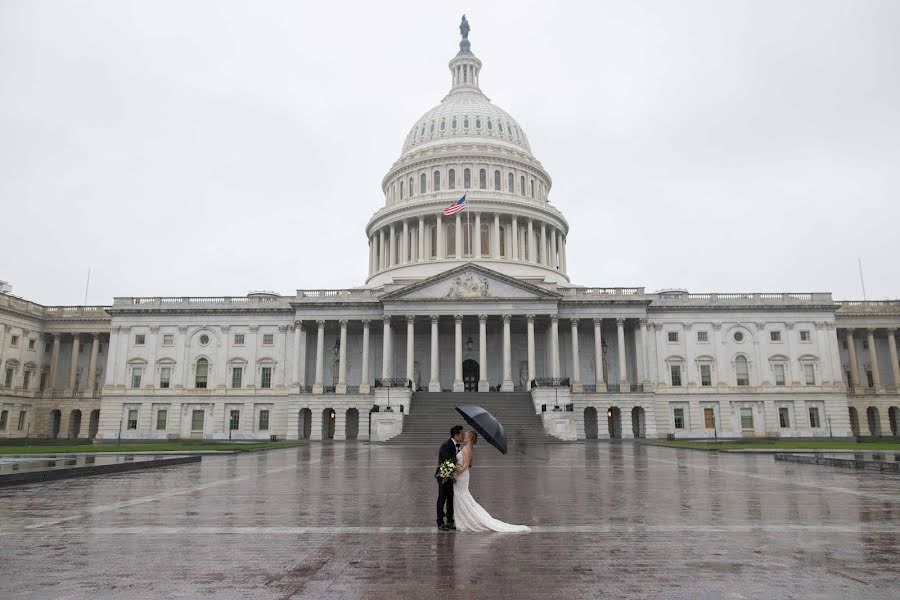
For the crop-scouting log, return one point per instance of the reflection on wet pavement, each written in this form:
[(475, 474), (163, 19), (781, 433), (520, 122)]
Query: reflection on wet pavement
[(354, 520)]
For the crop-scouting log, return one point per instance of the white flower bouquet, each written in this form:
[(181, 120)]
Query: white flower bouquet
[(447, 471)]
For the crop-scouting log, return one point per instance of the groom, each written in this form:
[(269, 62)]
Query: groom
[(445, 490)]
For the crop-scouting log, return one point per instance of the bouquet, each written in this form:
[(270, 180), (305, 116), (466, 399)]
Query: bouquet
[(447, 471)]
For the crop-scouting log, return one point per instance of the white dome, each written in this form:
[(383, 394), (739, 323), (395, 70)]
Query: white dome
[(466, 114)]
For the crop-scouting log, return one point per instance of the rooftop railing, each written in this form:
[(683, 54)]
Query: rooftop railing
[(200, 301), (348, 294), (752, 297), (602, 291), (53, 312)]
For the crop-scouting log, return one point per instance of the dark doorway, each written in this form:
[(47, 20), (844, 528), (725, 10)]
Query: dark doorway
[(471, 373), (614, 422), (874, 420), (94, 423), (305, 429), (590, 423), (638, 424), (55, 418), (351, 426), (74, 424), (854, 421), (894, 417), (328, 421)]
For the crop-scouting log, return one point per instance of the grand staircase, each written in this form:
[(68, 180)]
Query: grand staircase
[(432, 414)]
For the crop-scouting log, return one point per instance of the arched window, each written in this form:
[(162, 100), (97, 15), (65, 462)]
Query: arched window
[(467, 178), (741, 371), (465, 122), (485, 239), (433, 241), (412, 182), (522, 185), (482, 179), (437, 181), (432, 127), (454, 122), (502, 242), (201, 374), (401, 190), (511, 183), (532, 188), (490, 125), (477, 122), (451, 239), (443, 124), (451, 179), (500, 127), (497, 180), (423, 186)]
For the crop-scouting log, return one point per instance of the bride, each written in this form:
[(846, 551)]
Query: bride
[(470, 516)]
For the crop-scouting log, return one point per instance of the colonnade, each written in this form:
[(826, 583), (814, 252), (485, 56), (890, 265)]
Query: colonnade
[(72, 373), (498, 237), (869, 337)]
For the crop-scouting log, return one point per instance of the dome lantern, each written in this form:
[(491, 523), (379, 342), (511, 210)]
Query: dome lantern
[(465, 66)]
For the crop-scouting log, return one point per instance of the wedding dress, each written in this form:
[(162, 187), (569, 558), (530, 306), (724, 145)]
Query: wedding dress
[(469, 515)]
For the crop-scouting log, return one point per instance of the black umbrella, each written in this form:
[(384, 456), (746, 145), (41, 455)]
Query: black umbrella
[(485, 424)]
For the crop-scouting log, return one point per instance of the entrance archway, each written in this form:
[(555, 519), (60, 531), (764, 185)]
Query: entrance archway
[(638, 427), (55, 419), (854, 421), (590, 423), (94, 423), (328, 419), (471, 373), (614, 422), (894, 418), (305, 428), (874, 420), (74, 424), (351, 427)]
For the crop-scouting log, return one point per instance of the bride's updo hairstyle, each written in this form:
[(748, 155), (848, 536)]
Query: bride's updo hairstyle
[(474, 437)]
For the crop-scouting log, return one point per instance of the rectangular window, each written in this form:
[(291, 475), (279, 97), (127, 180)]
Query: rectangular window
[(22, 414), (47, 346), (14, 341), (234, 420), (10, 373), (4, 416), (702, 336), (31, 344), (136, 373), (168, 339), (165, 374), (239, 339), (844, 344), (676, 375), (237, 377), (268, 339), (672, 336), (26, 380), (814, 418), (774, 336), (779, 373), (869, 379), (865, 344), (139, 339), (805, 336), (809, 374), (265, 380), (197, 418), (747, 418), (705, 375), (162, 416), (132, 419), (678, 413), (709, 418), (784, 417), (264, 420)]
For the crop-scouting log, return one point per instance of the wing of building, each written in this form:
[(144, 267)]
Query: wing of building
[(479, 301)]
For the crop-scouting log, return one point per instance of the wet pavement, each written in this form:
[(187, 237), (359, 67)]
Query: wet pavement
[(354, 521)]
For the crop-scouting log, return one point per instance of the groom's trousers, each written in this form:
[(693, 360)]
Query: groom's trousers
[(445, 497)]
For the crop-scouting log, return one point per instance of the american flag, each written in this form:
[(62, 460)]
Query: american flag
[(458, 206)]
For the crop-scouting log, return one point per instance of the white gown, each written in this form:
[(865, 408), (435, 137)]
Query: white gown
[(469, 515)]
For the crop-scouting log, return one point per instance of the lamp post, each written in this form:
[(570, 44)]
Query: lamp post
[(119, 438), (27, 431)]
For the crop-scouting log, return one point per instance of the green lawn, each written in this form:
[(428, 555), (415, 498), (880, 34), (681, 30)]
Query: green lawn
[(873, 446), (67, 447)]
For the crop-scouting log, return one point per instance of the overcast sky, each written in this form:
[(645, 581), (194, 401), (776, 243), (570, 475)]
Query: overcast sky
[(217, 147)]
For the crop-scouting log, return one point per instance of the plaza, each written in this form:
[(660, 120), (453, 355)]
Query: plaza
[(352, 520)]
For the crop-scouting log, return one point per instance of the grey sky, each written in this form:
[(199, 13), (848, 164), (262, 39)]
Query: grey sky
[(210, 148)]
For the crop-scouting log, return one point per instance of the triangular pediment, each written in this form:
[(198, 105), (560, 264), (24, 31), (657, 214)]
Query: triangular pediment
[(471, 282)]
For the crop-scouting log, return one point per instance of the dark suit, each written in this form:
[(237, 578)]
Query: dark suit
[(445, 490)]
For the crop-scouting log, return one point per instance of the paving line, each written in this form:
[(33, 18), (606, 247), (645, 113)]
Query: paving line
[(598, 528), (103, 508)]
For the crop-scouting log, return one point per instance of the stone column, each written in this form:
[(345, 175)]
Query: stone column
[(598, 355), (381, 252), (405, 249), (476, 237), (92, 368), (892, 346), (483, 384), (497, 250), (392, 258), (73, 364), (854, 367), (515, 238), (553, 255), (421, 240), (623, 363), (507, 385), (563, 255), (54, 360), (529, 243), (434, 385), (439, 236), (298, 331), (873, 357), (319, 386), (554, 346), (458, 385), (386, 370), (531, 373), (459, 236), (542, 256), (364, 386), (410, 347), (341, 387), (642, 352), (576, 367)]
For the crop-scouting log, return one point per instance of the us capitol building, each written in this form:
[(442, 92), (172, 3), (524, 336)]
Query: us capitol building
[(478, 301)]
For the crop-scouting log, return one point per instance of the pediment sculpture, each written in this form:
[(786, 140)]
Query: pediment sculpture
[(468, 286)]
